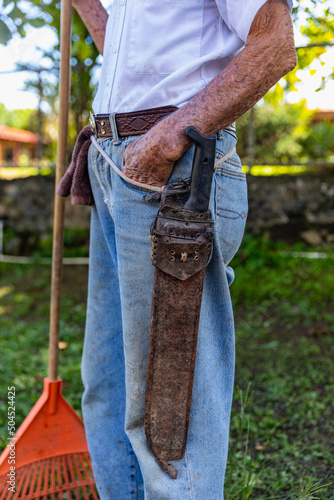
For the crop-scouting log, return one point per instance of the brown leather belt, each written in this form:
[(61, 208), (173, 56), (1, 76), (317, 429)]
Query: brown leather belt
[(118, 125)]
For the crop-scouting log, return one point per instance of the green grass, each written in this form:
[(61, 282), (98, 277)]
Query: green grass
[(282, 433), (9, 173), (270, 170)]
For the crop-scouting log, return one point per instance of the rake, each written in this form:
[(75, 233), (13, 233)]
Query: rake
[(48, 456)]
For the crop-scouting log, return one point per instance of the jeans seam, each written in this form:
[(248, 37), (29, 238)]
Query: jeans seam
[(231, 173), (189, 476), (135, 487), (133, 492), (97, 175)]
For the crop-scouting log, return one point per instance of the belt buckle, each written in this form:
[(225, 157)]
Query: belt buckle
[(92, 123)]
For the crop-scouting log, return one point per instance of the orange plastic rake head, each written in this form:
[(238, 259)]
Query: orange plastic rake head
[(49, 452)]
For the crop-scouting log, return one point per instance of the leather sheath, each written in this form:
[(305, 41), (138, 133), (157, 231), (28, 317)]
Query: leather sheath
[(181, 248)]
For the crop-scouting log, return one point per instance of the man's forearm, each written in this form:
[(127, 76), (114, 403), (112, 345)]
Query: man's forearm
[(268, 55), (95, 19)]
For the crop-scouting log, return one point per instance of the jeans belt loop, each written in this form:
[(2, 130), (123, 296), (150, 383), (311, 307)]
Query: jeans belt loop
[(92, 123), (229, 128), (113, 125)]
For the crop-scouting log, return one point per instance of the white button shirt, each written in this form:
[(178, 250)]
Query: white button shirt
[(163, 52)]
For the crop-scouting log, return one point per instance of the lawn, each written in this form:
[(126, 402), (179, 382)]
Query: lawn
[(282, 433)]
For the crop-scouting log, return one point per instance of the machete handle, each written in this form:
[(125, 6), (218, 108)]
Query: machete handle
[(202, 170)]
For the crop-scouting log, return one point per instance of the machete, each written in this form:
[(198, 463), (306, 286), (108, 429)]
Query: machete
[(181, 247)]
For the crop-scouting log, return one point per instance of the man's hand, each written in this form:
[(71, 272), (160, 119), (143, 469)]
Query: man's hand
[(268, 55), (150, 159)]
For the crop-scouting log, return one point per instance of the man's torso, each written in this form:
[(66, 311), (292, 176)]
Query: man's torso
[(163, 52)]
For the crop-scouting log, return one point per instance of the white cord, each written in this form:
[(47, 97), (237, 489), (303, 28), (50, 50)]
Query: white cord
[(224, 158), (140, 184), (120, 173)]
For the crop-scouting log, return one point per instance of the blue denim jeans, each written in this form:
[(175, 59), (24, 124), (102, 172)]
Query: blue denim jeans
[(117, 334)]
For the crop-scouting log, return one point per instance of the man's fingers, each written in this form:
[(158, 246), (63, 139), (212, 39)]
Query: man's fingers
[(145, 162)]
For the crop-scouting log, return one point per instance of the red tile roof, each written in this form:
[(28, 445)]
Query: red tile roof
[(322, 115), (17, 135)]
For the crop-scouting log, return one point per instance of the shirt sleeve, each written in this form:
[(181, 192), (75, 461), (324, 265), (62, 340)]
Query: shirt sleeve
[(239, 14)]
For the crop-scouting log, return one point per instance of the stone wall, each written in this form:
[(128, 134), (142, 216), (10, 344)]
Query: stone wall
[(26, 207), (293, 207), (284, 207)]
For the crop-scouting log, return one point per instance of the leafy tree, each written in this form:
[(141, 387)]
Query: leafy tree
[(286, 134), (315, 22), (37, 13), (14, 20), (84, 55), (18, 118), (319, 144), (283, 133)]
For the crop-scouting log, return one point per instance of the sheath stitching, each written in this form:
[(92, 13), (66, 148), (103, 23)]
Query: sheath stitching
[(178, 237), (182, 220)]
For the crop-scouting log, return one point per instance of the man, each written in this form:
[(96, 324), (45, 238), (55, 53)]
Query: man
[(187, 54)]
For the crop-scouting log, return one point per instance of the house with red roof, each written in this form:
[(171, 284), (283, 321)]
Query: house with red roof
[(323, 115), (15, 142)]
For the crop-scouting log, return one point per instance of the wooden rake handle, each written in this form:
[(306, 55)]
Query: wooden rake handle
[(59, 203)]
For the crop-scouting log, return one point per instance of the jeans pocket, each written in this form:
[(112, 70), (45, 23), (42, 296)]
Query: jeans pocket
[(231, 206), (114, 162), (181, 171)]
